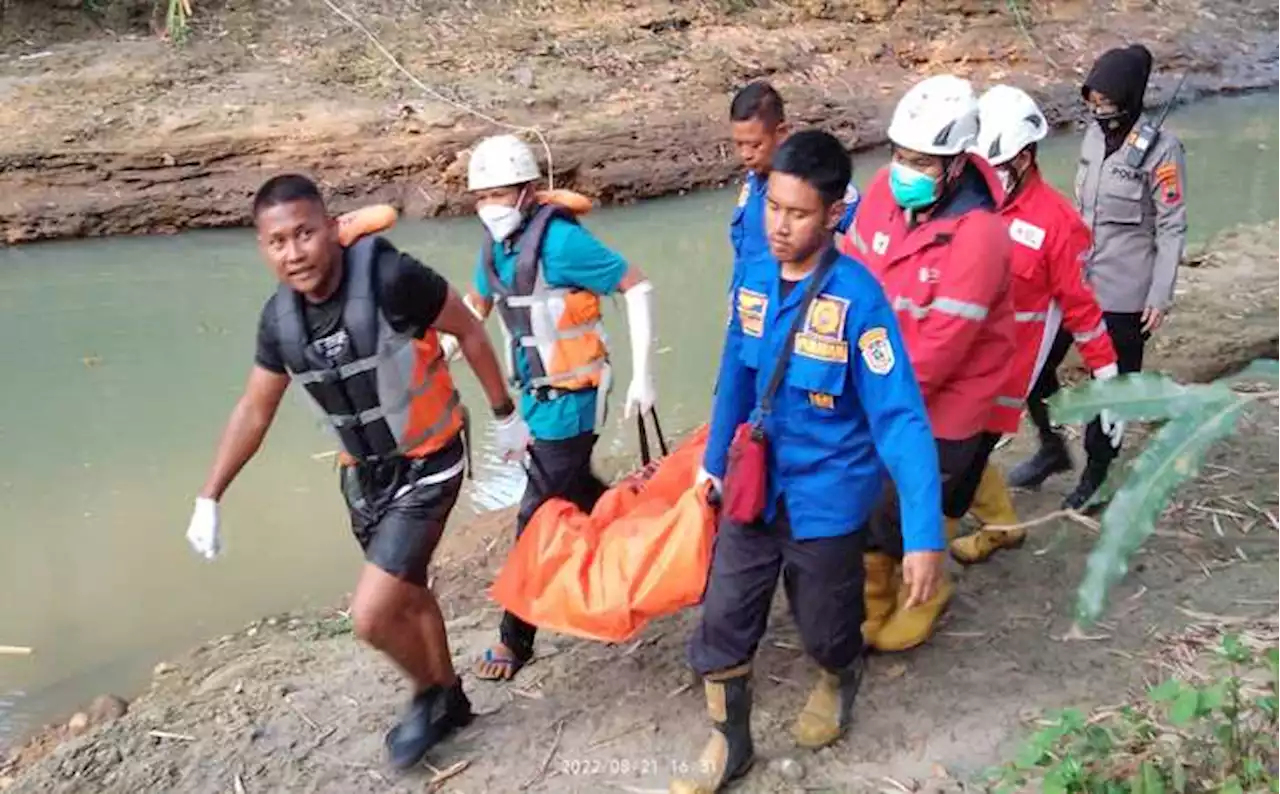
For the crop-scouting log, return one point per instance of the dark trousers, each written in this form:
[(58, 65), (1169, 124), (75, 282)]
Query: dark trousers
[(823, 579), (556, 469), (960, 465), (1125, 329)]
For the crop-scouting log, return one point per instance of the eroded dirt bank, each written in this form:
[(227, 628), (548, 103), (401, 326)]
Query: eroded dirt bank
[(294, 703), (110, 130)]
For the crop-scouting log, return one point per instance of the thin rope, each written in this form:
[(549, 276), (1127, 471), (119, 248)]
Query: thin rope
[(429, 91)]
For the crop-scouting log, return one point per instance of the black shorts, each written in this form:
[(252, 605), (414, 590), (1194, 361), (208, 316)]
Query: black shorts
[(399, 507)]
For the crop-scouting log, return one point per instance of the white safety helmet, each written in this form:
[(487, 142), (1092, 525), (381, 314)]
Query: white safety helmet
[(501, 161), (938, 116), (1008, 122)]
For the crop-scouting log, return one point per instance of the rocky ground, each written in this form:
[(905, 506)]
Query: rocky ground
[(110, 129), (294, 703)]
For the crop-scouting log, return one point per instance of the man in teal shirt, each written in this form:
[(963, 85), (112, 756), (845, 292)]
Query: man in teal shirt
[(546, 274)]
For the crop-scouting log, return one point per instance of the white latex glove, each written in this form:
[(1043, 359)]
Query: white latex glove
[(641, 394), (706, 476), (449, 347), (511, 437), (202, 532), (1111, 426)]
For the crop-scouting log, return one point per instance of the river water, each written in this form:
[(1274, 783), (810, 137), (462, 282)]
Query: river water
[(125, 356)]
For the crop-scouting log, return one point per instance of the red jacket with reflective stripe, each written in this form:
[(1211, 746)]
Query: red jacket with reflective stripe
[(948, 281), (1050, 245)]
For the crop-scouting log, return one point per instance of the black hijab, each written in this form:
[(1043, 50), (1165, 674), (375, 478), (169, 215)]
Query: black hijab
[(1121, 74)]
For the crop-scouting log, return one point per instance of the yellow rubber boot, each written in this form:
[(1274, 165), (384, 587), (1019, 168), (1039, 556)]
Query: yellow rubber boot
[(729, 752), (826, 715), (881, 593), (907, 628), (991, 505)]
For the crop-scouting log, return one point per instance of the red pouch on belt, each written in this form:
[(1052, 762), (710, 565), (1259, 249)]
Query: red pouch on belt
[(745, 482)]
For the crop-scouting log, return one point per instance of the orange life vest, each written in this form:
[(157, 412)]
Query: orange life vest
[(558, 328), (391, 394)]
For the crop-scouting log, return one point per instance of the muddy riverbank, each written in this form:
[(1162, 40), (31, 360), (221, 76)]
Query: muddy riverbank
[(110, 130), (294, 703)]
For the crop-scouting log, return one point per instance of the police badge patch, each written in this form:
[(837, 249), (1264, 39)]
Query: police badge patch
[(877, 351)]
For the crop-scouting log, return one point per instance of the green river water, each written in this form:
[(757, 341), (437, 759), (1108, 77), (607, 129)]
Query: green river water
[(125, 356)]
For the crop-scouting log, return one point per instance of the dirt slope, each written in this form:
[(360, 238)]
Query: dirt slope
[(111, 130), (295, 704)]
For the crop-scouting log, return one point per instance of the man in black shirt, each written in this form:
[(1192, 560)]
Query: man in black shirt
[(356, 327)]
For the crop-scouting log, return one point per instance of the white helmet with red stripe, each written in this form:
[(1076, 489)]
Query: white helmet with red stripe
[(1009, 121), (938, 116)]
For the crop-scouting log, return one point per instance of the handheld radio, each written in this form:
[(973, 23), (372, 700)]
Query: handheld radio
[(1143, 136)]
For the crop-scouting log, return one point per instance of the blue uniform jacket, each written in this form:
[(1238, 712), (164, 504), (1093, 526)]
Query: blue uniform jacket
[(746, 228), (848, 407)]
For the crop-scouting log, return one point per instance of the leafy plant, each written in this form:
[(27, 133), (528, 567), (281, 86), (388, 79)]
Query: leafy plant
[(1194, 418), (177, 15), (1220, 737), (176, 20)]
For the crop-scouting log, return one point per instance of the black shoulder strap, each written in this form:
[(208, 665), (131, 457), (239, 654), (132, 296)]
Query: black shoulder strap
[(829, 257), (360, 309), (290, 333), (530, 245)]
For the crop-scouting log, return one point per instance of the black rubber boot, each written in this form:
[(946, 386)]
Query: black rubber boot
[(433, 714), (1090, 481), (730, 752), (1052, 458)]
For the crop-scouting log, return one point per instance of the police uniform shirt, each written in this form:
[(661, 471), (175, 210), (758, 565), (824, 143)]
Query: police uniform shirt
[(1138, 218), (746, 228)]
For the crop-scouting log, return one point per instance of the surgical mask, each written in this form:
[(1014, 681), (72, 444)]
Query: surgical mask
[(912, 189), (501, 220)]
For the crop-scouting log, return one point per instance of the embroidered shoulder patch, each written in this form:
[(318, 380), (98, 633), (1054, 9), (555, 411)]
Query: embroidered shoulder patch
[(1168, 184), (1026, 234), (751, 310), (877, 351)]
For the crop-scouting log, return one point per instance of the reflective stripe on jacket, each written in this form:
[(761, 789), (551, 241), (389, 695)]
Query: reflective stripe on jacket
[(558, 329), (1050, 243), (393, 394), (948, 279)]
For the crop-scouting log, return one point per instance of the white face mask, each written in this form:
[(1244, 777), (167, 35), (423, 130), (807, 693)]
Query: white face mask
[(501, 220)]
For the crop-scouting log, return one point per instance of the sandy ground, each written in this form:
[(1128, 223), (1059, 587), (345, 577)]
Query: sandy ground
[(294, 703), (109, 129)]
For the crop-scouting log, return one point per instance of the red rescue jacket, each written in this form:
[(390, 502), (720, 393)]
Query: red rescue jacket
[(1050, 245), (947, 279)]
